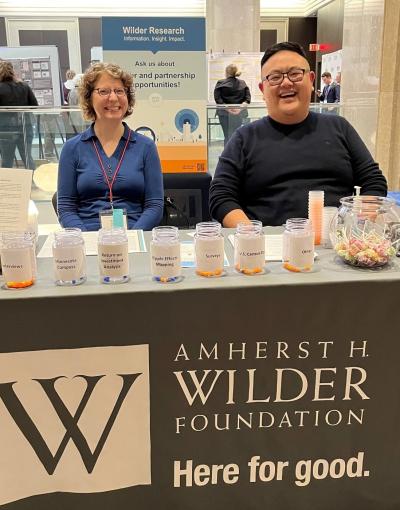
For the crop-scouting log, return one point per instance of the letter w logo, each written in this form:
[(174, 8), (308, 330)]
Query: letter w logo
[(70, 422)]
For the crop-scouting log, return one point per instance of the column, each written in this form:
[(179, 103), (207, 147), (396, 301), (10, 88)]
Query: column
[(370, 87), (361, 66), (388, 128), (233, 25)]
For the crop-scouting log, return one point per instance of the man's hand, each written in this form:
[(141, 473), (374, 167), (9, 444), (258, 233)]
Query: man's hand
[(234, 217)]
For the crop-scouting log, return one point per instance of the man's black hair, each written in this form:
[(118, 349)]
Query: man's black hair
[(326, 74), (283, 46)]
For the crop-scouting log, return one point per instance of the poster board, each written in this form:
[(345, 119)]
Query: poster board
[(39, 67), (166, 57), (247, 63), (331, 62)]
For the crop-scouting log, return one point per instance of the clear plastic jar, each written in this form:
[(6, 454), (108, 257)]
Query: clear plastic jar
[(165, 252), (289, 225), (113, 255), (209, 249), (69, 257), (249, 248), (17, 258), (298, 245), (361, 233)]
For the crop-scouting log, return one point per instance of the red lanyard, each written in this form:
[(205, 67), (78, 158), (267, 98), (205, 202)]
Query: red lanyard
[(110, 182)]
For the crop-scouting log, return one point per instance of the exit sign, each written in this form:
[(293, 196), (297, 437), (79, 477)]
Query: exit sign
[(319, 47)]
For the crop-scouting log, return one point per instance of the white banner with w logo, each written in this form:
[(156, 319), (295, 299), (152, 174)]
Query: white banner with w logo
[(74, 420)]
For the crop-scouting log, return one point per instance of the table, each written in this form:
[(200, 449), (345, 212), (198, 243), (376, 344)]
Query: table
[(278, 391)]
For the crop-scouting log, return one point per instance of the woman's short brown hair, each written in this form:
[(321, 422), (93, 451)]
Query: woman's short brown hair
[(7, 72), (88, 82), (231, 71)]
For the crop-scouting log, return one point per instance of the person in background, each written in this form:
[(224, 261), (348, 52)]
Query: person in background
[(330, 92), (16, 130), (109, 165), (268, 166), (338, 81), (68, 85), (76, 124), (231, 90)]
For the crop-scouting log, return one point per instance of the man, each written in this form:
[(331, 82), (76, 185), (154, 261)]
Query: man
[(338, 81), (268, 166), (330, 93)]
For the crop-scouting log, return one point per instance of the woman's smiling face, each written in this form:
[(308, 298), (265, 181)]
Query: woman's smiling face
[(113, 106)]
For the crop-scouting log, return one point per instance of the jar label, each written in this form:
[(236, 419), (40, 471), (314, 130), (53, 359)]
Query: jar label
[(165, 260), (69, 263), (17, 264), (249, 252), (301, 250), (114, 259), (209, 254)]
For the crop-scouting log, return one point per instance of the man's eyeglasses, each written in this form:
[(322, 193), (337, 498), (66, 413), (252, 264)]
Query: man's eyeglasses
[(294, 75), (120, 92)]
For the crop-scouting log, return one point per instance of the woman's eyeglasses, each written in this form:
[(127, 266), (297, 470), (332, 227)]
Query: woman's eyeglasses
[(104, 92)]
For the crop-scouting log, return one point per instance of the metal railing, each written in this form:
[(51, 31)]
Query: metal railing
[(33, 137)]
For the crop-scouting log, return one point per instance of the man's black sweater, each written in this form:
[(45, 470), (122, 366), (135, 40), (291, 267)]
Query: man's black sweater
[(268, 168)]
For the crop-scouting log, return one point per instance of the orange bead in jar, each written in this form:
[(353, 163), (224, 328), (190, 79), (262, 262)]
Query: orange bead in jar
[(209, 249)]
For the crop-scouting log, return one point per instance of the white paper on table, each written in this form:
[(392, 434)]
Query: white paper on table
[(188, 255), (273, 247), (15, 191), (47, 228), (136, 243)]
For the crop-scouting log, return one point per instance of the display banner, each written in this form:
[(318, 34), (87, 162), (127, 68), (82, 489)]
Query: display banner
[(262, 399), (167, 59)]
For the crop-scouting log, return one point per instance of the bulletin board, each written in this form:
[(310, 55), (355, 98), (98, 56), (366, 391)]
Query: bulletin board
[(39, 67), (248, 64)]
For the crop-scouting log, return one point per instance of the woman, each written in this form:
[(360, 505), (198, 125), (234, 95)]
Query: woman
[(69, 84), (109, 165), (231, 91), (15, 128), (74, 122)]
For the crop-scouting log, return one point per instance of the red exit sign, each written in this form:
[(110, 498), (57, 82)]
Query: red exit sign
[(319, 47)]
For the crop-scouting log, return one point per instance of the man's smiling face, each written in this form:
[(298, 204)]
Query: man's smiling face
[(288, 102)]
